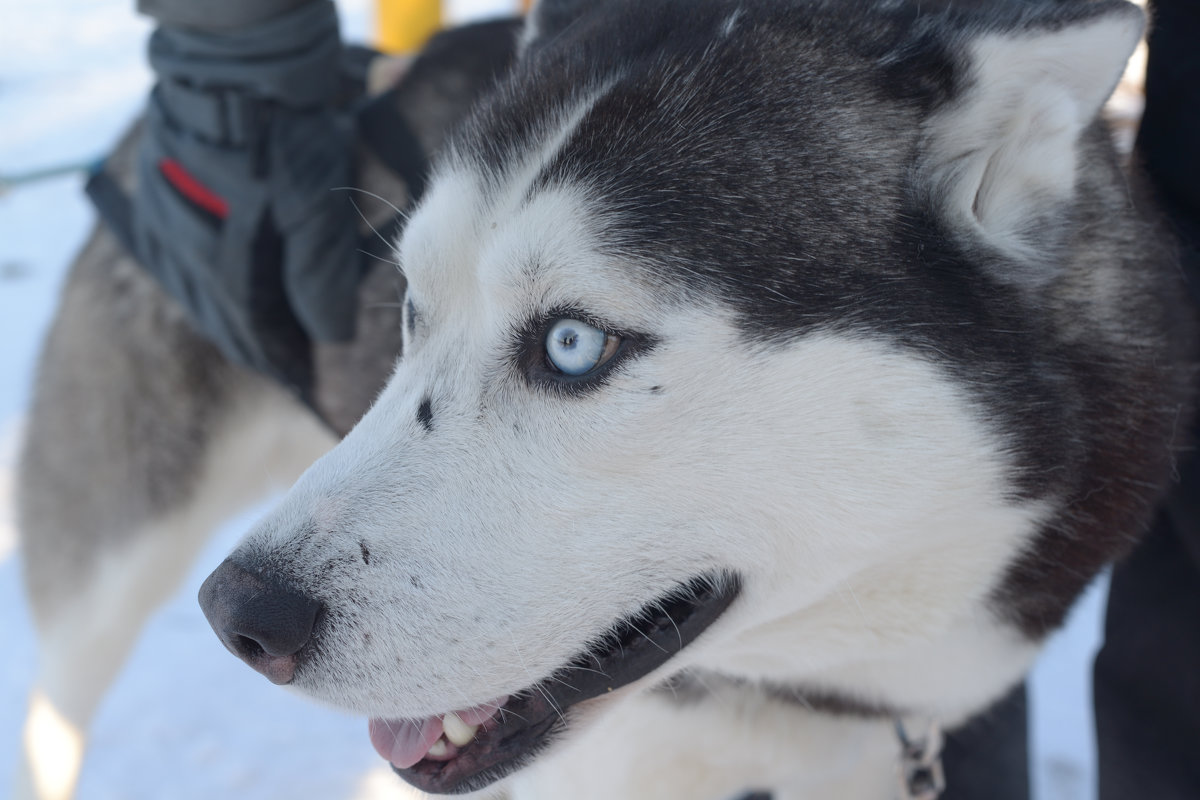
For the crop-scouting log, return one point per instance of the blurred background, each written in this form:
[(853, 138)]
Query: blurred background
[(185, 720)]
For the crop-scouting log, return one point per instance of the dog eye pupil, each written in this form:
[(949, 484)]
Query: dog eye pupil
[(576, 348)]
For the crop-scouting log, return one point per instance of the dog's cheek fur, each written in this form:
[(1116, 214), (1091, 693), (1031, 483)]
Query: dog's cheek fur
[(869, 552)]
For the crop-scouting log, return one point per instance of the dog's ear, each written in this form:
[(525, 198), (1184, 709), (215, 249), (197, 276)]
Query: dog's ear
[(548, 18), (1001, 156)]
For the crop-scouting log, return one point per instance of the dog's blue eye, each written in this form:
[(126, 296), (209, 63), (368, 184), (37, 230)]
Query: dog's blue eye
[(576, 348)]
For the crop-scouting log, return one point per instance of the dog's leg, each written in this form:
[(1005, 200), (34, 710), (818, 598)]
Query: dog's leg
[(141, 439), (85, 642)]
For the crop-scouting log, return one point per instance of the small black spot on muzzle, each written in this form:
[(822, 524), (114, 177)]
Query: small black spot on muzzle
[(261, 621)]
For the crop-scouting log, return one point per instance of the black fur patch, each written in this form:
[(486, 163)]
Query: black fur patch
[(425, 414)]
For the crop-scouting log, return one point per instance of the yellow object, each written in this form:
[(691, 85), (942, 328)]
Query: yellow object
[(403, 26)]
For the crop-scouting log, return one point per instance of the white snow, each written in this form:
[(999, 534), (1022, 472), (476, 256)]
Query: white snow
[(186, 720), (1061, 724)]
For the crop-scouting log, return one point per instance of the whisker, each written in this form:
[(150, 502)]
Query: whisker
[(593, 671), (504, 711), (666, 614), (369, 254), (535, 683), (402, 214), (550, 701), (391, 245), (651, 641)]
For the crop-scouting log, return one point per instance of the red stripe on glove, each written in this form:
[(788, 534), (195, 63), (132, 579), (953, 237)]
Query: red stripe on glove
[(193, 189)]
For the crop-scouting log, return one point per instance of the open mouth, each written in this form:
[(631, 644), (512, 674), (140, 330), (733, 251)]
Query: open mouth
[(464, 751)]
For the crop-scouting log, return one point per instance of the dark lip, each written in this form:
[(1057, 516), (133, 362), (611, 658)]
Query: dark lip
[(631, 649)]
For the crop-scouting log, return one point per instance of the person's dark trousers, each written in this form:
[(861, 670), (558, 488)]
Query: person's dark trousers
[(1147, 676), (1147, 679), (988, 758)]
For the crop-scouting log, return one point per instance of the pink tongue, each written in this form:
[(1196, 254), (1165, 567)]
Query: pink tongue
[(402, 742)]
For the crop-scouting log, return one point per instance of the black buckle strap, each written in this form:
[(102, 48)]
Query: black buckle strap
[(223, 117)]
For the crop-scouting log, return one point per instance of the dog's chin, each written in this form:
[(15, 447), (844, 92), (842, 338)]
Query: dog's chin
[(501, 737)]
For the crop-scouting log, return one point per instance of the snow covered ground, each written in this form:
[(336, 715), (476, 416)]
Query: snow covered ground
[(185, 720)]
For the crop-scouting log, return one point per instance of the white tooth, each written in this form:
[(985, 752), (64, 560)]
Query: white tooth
[(438, 749), (457, 731)]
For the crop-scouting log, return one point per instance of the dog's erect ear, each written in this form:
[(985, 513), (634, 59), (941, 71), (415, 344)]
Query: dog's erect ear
[(1001, 158)]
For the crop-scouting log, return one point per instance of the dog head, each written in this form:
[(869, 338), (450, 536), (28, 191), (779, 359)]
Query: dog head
[(725, 350)]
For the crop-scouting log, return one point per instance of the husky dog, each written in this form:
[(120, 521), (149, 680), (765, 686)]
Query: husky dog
[(805, 350), (808, 350), (774, 374)]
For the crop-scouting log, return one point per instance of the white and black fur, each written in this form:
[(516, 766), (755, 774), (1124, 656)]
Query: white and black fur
[(901, 363)]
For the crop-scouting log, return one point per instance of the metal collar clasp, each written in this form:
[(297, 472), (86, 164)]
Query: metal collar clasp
[(920, 769)]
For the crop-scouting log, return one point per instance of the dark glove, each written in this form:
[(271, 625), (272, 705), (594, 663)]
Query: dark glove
[(216, 15), (235, 211)]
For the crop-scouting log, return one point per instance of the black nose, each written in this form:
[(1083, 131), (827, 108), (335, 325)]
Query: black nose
[(261, 621)]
